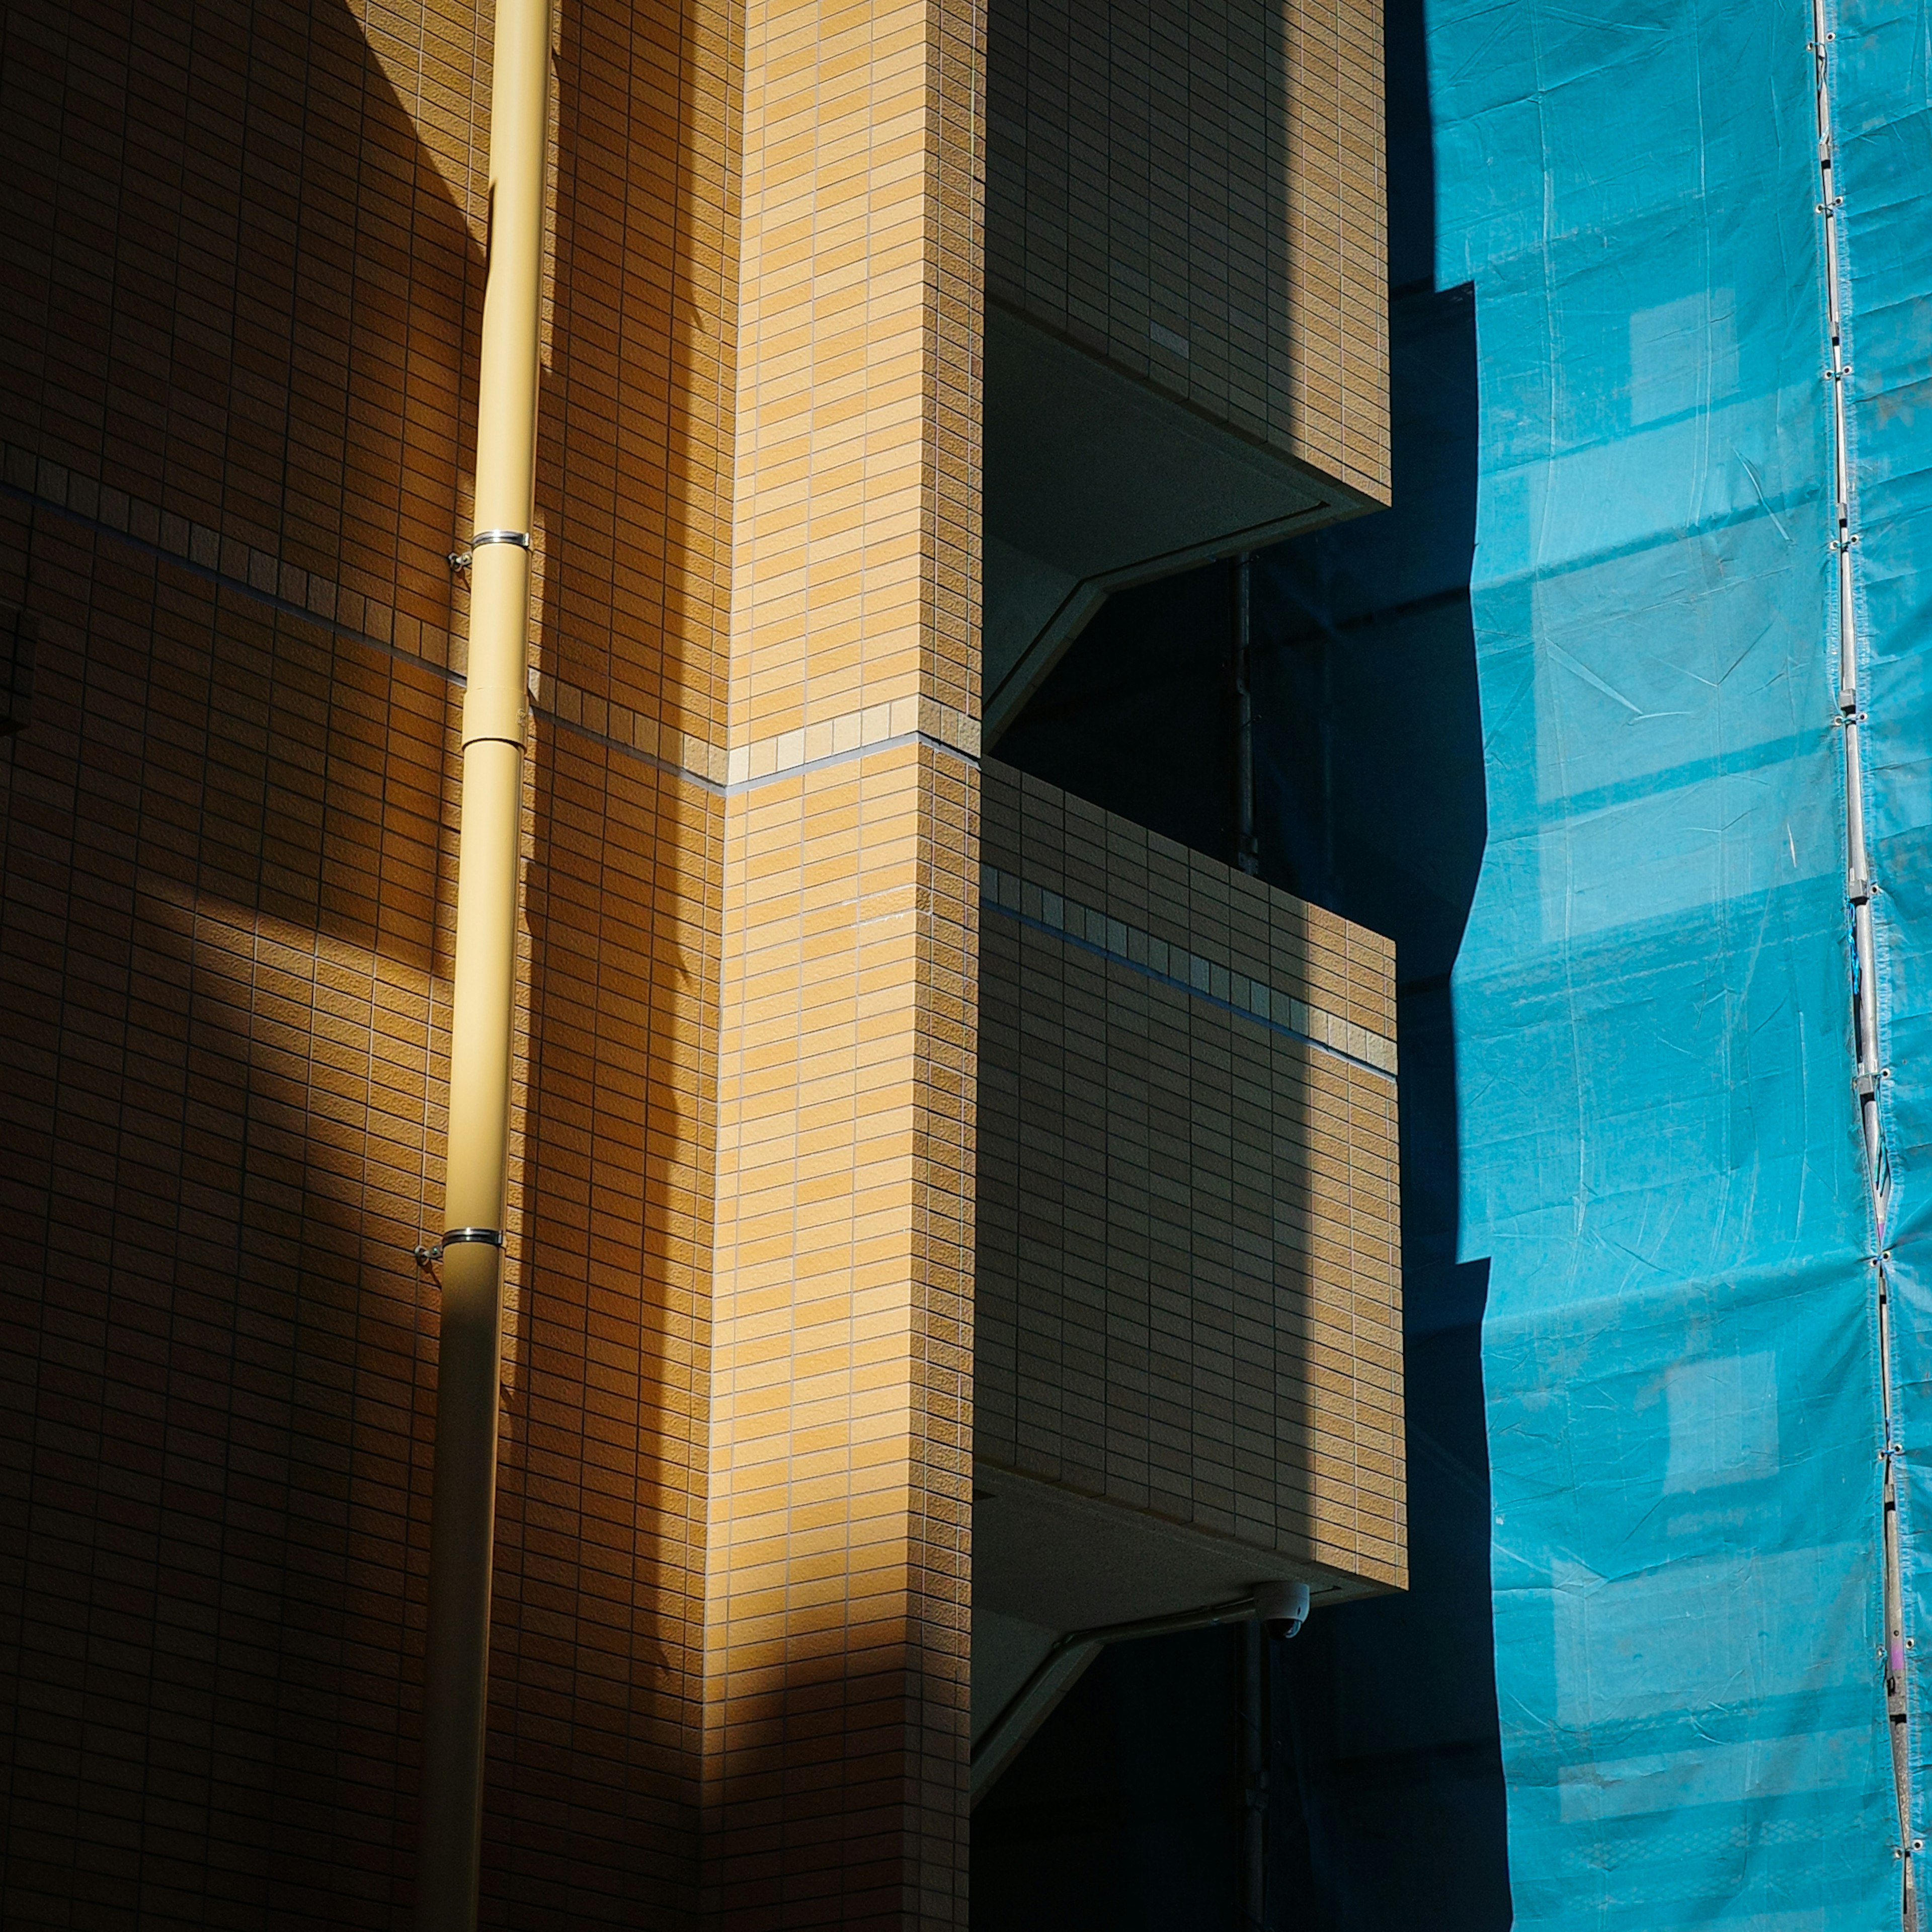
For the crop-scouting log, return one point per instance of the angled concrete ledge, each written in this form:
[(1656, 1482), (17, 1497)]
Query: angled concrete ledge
[(1096, 480)]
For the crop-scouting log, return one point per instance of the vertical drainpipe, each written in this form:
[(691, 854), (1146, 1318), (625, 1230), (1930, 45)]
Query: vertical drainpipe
[(1255, 1729), (457, 1661), (1247, 847)]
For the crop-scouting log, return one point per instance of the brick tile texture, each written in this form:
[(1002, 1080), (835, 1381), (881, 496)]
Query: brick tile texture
[(1189, 1244), (1193, 189), (244, 271), (243, 279), (836, 1720)]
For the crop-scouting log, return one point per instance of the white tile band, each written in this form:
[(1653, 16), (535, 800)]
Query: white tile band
[(260, 574), (1192, 972)]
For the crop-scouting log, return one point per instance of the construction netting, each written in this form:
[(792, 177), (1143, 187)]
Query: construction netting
[(1660, 1152)]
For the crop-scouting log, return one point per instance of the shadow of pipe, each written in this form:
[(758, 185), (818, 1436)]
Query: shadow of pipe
[(598, 1657)]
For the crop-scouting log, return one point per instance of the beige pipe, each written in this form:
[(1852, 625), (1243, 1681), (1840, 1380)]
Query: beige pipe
[(457, 1664)]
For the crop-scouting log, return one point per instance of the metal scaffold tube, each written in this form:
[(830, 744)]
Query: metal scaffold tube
[(457, 1661), (1869, 1069)]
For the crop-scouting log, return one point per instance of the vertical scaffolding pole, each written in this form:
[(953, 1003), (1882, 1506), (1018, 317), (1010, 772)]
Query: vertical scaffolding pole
[(1869, 1069), (457, 1661)]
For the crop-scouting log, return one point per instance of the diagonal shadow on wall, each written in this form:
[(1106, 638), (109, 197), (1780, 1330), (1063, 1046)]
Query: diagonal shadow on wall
[(229, 845)]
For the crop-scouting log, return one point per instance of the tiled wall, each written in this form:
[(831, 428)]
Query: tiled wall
[(244, 275), (729, 1652), (1193, 189), (836, 1705), (240, 319), (1188, 1291)]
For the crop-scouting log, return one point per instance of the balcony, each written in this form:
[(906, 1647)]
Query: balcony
[(1186, 351), (1188, 1354)]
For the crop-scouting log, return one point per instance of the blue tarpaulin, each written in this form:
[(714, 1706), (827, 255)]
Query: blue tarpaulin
[(1659, 1148)]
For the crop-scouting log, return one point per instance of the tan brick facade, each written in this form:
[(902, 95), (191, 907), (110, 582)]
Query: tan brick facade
[(246, 316), (839, 1531), (1189, 1301), (1193, 190), (732, 1602), (241, 317), (1187, 342)]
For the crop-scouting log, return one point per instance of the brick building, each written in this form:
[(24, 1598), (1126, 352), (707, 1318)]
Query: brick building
[(799, 256)]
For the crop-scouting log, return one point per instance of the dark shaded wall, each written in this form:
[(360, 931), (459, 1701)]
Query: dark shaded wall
[(1124, 1809), (244, 271)]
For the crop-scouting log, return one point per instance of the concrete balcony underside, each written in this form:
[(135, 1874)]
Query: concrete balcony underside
[(1095, 480)]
